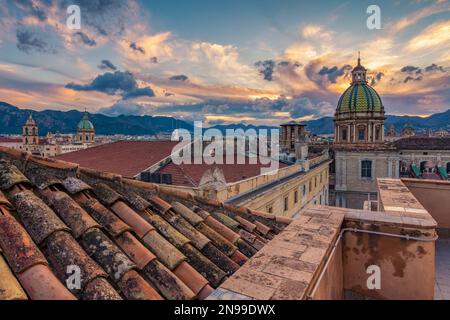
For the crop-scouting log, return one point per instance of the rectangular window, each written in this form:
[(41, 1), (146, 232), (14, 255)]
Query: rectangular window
[(286, 203), (269, 209), (366, 169), (295, 196), (304, 189)]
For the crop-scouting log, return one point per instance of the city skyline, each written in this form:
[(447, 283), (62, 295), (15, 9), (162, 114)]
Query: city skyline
[(258, 62)]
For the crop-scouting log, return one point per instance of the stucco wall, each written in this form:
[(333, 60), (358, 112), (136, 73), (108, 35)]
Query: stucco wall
[(407, 267), (434, 196), (330, 286)]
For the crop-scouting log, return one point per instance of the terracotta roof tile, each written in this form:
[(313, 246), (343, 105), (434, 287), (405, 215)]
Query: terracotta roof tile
[(69, 211), (171, 287), (63, 251), (105, 194), (19, 249), (209, 270), (37, 217), (168, 246), (4, 201), (187, 213), (102, 215), (109, 256), (41, 284), (219, 241), (130, 217), (159, 204), (74, 185), (134, 249), (134, 287), (100, 289), (10, 288), (250, 227), (166, 252), (190, 277), (137, 202), (41, 177), (10, 176)]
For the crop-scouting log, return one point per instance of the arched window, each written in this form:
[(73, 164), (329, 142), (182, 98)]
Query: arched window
[(344, 134), (377, 133), (361, 133), (422, 166), (26, 131)]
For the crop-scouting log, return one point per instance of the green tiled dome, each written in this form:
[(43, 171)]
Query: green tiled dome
[(360, 97), (85, 124)]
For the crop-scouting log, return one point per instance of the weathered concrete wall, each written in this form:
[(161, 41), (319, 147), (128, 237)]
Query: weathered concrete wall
[(407, 268), (331, 285), (434, 196)]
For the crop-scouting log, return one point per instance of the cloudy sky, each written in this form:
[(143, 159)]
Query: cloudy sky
[(253, 61)]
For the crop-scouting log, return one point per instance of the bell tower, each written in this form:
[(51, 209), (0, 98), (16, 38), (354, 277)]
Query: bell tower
[(30, 133)]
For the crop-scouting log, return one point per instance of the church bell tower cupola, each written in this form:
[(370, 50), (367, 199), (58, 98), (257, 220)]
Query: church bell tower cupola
[(359, 73)]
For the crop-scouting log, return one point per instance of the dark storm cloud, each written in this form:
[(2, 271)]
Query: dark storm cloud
[(135, 47), (334, 72), (85, 39), (411, 70), (409, 78), (28, 41), (106, 64), (376, 78), (154, 59), (33, 8), (107, 17), (266, 69), (119, 82), (179, 77), (434, 67)]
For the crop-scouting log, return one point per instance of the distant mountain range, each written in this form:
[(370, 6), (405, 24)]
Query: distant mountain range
[(13, 118)]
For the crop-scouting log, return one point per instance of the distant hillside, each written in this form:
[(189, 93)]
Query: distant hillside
[(12, 119)]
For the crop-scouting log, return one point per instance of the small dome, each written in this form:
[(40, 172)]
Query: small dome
[(360, 97), (85, 124)]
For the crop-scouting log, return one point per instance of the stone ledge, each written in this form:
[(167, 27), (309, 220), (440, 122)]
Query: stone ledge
[(289, 265)]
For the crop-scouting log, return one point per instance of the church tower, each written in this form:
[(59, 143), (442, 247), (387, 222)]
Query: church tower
[(85, 130), (359, 117), (30, 133)]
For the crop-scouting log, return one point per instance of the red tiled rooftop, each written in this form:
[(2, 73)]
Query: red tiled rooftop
[(9, 140), (191, 174), (127, 158)]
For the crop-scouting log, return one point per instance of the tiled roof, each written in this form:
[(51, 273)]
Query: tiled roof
[(423, 143), (128, 239), (112, 157), (191, 174), (141, 155), (10, 140)]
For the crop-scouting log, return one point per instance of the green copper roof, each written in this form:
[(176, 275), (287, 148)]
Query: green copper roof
[(85, 124), (360, 97)]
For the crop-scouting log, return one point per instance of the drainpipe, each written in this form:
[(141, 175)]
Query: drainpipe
[(356, 230)]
